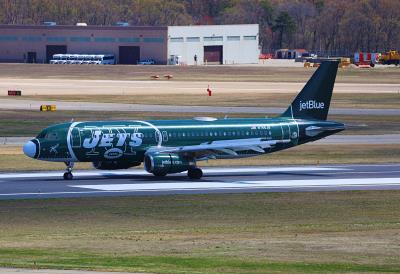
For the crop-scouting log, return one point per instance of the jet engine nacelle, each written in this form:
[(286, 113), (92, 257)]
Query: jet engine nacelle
[(166, 163), (113, 165)]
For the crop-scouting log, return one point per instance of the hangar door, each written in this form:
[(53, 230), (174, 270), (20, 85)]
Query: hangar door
[(129, 55), (31, 57), (213, 54), (54, 49)]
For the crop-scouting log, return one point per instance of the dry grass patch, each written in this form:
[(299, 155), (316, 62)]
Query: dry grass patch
[(193, 73)]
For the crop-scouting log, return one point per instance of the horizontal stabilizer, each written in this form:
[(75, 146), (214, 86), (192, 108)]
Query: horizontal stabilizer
[(315, 130)]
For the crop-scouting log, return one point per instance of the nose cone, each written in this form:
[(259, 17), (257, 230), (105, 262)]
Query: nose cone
[(30, 149)]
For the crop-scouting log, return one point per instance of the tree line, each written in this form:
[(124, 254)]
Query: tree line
[(334, 27)]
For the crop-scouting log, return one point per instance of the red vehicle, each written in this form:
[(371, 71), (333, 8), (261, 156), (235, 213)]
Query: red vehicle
[(264, 56), (366, 58)]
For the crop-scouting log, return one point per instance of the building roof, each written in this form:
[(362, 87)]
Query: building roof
[(89, 27)]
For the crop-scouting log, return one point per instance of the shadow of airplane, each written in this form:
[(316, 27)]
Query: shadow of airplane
[(182, 177)]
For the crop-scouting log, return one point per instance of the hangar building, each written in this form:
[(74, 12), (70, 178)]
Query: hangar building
[(129, 44), (216, 44), (37, 44)]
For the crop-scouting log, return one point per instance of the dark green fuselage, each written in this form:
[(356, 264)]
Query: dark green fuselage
[(127, 141)]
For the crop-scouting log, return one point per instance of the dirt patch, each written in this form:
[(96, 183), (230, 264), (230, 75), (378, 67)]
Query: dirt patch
[(193, 73)]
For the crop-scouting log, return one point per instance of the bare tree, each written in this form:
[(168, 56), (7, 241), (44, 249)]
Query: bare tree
[(328, 26)]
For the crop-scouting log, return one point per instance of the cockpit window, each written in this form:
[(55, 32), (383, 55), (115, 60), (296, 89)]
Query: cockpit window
[(51, 136), (41, 135)]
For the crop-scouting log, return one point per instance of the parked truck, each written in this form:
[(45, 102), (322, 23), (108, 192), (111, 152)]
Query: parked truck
[(366, 59), (390, 57)]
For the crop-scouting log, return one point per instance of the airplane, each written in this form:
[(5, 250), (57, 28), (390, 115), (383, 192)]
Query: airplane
[(174, 146)]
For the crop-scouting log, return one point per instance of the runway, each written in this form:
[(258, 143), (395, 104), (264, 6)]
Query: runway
[(215, 180), (112, 107)]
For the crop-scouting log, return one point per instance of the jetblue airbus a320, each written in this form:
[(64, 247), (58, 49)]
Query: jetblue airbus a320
[(173, 146)]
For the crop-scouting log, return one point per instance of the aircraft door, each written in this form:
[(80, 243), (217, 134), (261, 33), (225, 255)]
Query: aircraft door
[(76, 138), (165, 136), (285, 131), (159, 136), (294, 132)]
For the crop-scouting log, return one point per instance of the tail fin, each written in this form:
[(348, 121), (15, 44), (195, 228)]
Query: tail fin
[(314, 99)]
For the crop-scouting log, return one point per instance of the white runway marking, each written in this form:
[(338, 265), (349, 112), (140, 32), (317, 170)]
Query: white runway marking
[(42, 175), (261, 182), (123, 188), (190, 185)]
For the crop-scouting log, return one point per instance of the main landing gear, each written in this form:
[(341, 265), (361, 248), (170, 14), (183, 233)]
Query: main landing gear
[(68, 173), (195, 173)]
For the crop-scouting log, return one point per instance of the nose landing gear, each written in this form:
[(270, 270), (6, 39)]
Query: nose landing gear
[(68, 174)]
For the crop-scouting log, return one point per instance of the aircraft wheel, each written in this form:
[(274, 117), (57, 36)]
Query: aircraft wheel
[(160, 174), (195, 173), (68, 176)]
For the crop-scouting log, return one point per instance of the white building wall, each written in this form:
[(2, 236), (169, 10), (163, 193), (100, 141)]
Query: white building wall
[(243, 51)]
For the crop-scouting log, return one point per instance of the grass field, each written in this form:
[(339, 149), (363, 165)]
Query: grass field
[(12, 158), (194, 73), (322, 232)]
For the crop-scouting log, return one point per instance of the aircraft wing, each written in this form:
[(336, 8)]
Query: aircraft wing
[(230, 147)]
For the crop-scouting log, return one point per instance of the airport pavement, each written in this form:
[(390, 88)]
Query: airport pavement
[(126, 87), (384, 139), (6, 103), (14, 141), (215, 180)]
